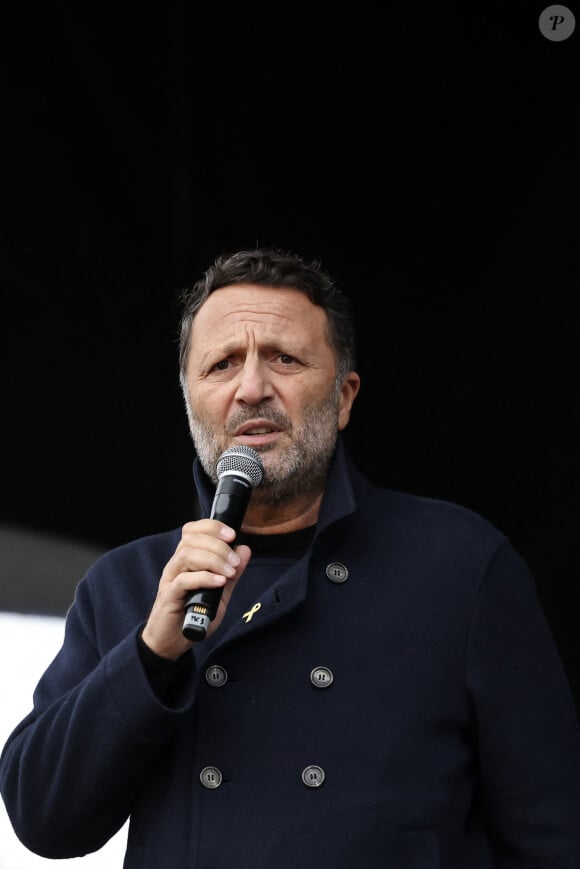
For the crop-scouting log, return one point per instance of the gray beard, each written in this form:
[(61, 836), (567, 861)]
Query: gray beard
[(302, 469)]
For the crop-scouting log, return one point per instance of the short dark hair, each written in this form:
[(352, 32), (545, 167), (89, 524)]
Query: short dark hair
[(271, 267)]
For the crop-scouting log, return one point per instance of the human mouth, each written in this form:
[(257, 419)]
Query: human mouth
[(257, 432)]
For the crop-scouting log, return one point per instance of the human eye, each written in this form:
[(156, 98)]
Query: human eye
[(219, 368), (285, 362)]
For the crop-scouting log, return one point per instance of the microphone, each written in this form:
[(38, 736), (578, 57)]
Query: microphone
[(239, 469)]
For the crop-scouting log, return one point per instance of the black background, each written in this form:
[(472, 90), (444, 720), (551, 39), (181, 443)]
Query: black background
[(428, 157)]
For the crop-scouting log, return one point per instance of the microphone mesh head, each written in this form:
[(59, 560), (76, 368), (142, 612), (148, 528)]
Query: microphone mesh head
[(241, 460)]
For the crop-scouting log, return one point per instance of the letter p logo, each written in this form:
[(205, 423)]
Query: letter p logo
[(557, 23)]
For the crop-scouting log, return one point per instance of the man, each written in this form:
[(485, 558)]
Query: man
[(379, 687)]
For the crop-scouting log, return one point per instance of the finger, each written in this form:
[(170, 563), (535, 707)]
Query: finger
[(244, 553), (209, 526), (223, 561)]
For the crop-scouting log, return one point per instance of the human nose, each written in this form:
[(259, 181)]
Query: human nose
[(254, 384)]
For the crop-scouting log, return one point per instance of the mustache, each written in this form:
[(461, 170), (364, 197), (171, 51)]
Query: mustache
[(263, 412)]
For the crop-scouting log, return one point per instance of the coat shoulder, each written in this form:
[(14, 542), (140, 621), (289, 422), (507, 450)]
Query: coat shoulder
[(131, 570), (152, 549), (433, 522)]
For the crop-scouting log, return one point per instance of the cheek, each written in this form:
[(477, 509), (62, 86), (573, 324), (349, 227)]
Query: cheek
[(309, 401), (207, 404), (299, 398), (313, 387)]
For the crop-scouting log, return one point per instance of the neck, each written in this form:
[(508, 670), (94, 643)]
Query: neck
[(265, 518)]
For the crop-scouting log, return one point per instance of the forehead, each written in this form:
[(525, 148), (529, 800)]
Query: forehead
[(270, 311)]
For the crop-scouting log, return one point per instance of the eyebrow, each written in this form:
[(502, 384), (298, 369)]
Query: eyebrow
[(232, 346)]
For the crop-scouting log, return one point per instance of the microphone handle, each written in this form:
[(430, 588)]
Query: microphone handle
[(229, 506)]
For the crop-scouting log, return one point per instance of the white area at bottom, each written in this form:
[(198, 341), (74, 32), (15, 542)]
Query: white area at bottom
[(27, 646)]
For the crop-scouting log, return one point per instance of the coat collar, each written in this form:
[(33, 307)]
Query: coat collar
[(291, 588)]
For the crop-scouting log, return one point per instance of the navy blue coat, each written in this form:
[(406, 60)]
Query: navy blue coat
[(397, 701)]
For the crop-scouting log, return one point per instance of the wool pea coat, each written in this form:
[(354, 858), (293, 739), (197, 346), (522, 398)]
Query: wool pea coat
[(392, 698)]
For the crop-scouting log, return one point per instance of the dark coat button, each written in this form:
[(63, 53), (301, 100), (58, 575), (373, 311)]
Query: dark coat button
[(313, 776), (321, 677), (336, 572), (210, 777), (216, 676)]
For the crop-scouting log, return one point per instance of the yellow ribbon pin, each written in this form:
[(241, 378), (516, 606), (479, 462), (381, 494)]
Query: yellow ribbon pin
[(248, 616)]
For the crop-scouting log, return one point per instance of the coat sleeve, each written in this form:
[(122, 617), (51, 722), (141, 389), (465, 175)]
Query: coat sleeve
[(69, 772), (526, 723)]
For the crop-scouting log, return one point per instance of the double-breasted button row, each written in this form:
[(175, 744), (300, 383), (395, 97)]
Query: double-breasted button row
[(313, 776), (217, 676)]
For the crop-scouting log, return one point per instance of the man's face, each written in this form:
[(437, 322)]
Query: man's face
[(261, 372)]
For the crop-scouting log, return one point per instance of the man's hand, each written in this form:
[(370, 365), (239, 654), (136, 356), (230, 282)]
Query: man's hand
[(203, 559)]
